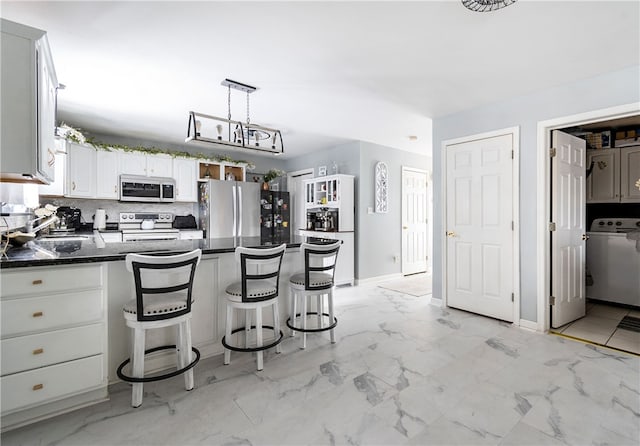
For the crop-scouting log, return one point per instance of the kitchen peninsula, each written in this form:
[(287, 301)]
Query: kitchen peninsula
[(63, 333)]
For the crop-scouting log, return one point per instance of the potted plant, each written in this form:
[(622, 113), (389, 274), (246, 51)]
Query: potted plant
[(270, 176)]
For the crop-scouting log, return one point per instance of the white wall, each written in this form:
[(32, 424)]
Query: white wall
[(607, 90)]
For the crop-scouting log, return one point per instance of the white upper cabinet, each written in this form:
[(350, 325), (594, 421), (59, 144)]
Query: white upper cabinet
[(629, 174), (613, 176), (159, 165), (81, 168), (107, 178), (28, 85), (186, 176), (133, 163)]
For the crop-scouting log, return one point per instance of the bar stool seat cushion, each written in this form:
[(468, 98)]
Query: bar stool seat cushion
[(255, 289), (315, 279), (160, 304)]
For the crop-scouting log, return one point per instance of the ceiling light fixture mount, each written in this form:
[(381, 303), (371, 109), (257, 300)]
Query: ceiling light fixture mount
[(243, 135), (486, 5)]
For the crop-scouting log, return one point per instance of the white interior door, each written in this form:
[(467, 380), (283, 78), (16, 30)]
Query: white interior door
[(296, 190), (568, 192), (479, 226), (414, 221)]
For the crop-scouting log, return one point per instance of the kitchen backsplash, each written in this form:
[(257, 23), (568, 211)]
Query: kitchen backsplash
[(113, 208)]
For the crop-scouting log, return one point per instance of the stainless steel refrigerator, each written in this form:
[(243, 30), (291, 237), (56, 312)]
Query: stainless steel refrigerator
[(229, 208)]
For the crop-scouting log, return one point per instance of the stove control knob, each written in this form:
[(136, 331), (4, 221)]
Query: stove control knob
[(125, 216), (601, 223), (609, 223), (618, 223), (638, 223)]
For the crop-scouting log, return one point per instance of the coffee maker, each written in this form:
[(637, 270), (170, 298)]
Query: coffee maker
[(322, 219), (70, 219)]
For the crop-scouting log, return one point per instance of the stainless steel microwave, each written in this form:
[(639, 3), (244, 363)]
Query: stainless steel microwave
[(147, 189)]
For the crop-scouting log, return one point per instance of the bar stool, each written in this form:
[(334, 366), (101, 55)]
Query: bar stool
[(163, 298), (258, 288), (316, 280)]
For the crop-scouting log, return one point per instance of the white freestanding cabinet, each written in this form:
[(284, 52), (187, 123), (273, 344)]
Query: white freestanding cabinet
[(334, 191), (54, 340), (186, 176), (28, 84), (629, 174)]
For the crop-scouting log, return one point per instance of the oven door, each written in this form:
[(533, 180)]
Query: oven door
[(149, 235)]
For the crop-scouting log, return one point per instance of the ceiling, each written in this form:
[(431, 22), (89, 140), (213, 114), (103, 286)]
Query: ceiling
[(327, 72)]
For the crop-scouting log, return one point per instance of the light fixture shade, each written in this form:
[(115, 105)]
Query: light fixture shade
[(486, 5), (217, 130)]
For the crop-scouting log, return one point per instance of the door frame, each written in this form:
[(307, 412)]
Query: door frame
[(515, 197), (543, 179), (290, 177), (427, 213)]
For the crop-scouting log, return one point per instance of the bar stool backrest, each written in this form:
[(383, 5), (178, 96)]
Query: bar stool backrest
[(260, 266), (155, 276), (320, 258)]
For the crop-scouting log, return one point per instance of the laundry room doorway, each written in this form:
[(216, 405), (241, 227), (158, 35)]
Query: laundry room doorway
[(587, 165)]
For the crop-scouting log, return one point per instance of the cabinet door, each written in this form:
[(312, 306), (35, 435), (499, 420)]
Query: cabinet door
[(159, 166), (107, 174), (185, 174), (603, 184), (630, 174), (133, 163), (56, 188), (46, 115), (81, 168)]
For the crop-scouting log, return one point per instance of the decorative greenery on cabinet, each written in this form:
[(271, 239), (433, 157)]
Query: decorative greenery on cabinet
[(75, 135)]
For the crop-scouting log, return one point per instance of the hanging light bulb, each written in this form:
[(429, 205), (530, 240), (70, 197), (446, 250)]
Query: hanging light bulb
[(273, 140), (219, 129), (198, 127)]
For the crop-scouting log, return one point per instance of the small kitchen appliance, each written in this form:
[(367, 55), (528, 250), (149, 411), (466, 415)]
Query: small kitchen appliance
[(323, 219), (147, 226), (70, 219), (147, 189)]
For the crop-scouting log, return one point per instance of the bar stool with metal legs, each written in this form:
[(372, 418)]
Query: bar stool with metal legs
[(317, 280), (257, 288), (163, 298)]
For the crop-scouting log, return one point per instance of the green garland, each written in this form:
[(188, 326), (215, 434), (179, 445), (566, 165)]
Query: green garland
[(76, 137)]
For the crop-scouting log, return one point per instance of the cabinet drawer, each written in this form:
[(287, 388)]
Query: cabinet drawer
[(31, 314), (43, 349), (48, 280), (48, 383)]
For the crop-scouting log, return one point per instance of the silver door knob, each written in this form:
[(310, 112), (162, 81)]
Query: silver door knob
[(585, 237)]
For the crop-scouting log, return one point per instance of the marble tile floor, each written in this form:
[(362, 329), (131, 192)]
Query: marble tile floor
[(600, 327), (403, 372)]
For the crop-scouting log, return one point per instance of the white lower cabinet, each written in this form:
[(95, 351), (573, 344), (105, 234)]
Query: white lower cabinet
[(53, 340)]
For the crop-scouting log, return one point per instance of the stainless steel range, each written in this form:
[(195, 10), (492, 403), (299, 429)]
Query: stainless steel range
[(147, 226)]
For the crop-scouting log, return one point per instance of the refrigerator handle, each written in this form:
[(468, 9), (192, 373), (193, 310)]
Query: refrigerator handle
[(234, 205), (239, 211)]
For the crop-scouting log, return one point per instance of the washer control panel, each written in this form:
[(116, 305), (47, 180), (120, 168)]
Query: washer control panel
[(615, 224)]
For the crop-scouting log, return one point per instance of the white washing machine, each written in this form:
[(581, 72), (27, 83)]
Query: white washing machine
[(613, 260)]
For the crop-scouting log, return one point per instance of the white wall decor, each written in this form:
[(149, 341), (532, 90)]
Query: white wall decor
[(382, 187)]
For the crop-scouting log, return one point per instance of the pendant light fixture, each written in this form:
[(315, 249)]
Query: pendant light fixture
[(486, 5), (243, 135)]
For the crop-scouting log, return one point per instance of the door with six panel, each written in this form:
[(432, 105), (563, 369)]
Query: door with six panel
[(479, 226)]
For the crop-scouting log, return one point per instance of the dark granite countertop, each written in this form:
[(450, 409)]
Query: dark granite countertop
[(42, 253)]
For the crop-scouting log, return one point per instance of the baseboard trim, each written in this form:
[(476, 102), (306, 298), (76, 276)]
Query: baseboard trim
[(436, 302), (377, 279), (529, 325)]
